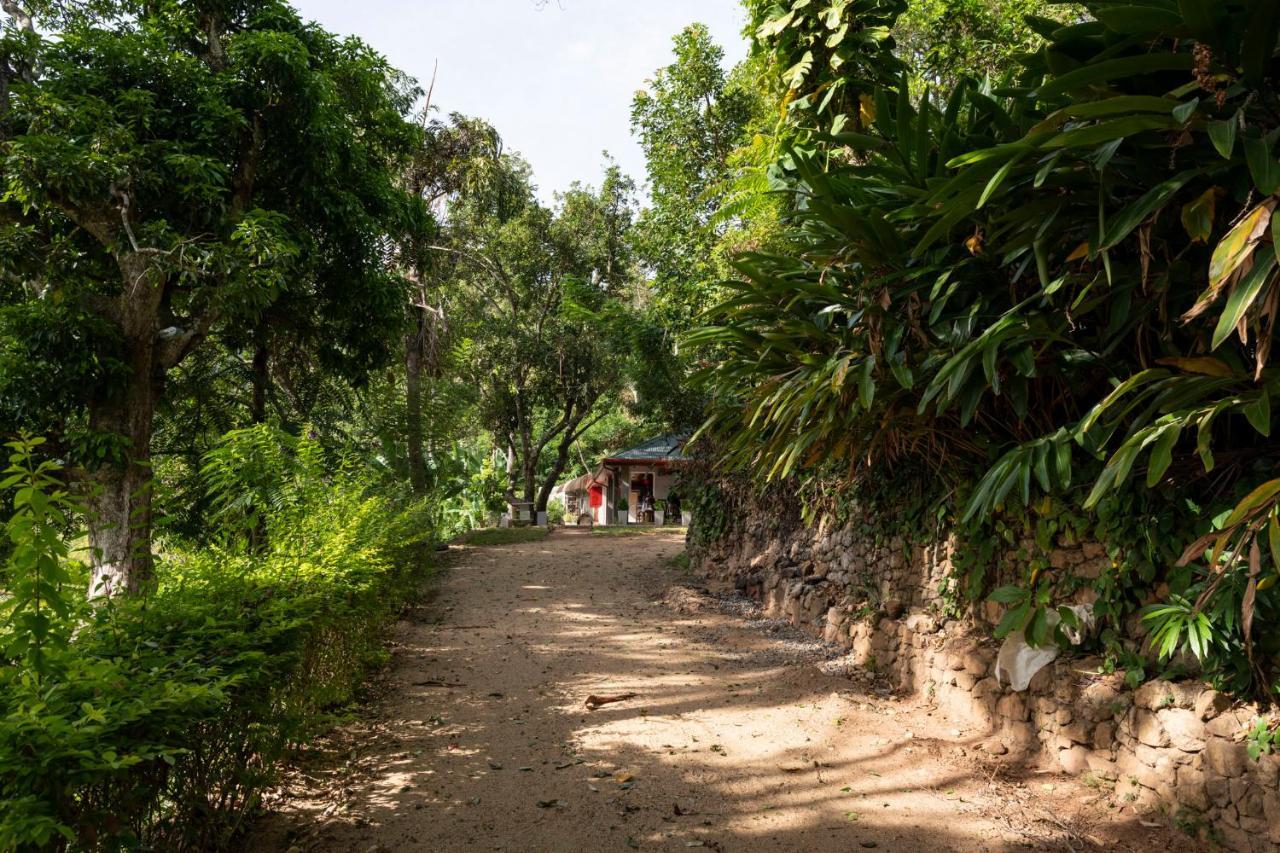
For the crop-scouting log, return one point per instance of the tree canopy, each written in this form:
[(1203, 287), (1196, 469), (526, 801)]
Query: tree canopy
[(173, 174)]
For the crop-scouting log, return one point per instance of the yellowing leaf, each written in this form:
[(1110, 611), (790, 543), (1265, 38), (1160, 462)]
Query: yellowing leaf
[(1233, 256), (866, 109), (1239, 243), (1079, 252), (1197, 215)]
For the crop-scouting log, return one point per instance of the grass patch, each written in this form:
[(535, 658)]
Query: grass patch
[(504, 535), (634, 530)]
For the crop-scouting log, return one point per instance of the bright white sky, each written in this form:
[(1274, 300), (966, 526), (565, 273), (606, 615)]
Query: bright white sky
[(556, 82)]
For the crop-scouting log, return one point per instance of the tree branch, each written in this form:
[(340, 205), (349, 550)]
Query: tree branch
[(177, 343), (247, 169), (21, 16)]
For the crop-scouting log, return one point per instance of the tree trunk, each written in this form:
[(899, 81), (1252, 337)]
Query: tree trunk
[(119, 503), (413, 405), (530, 479), (120, 500), (572, 433), (528, 459), (511, 470), (557, 467), (261, 375)]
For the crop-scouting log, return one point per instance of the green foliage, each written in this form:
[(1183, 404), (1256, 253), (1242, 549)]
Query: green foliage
[(703, 129), (1033, 285), (505, 535), (469, 485), (689, 121), (824, 60), (35, 600), (1263, 738), (158, 723), (133, 142), (255, 472), (945, 40), (215, 177), (702, 495), (541, 313), (555, 511)]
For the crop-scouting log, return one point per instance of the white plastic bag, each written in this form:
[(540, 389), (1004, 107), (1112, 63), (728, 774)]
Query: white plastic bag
[(1019, 662)]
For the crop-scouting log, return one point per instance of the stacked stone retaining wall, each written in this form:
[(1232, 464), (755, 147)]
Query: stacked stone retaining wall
[(1171, 748)]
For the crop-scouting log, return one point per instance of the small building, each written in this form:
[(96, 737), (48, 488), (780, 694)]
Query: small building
[(644, 475)]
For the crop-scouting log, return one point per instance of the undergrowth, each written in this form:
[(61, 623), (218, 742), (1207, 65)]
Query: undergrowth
[(157, 722)]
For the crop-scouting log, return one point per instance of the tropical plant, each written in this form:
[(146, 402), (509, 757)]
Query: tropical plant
[(1034, 283)]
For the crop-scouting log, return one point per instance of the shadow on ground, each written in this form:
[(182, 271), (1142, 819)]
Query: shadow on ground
[(481, 740)]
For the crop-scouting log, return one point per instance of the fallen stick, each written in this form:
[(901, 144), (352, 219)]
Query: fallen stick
[(594, 701), (434, 683)]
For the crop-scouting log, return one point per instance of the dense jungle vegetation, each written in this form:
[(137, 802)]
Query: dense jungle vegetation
[(272, 327), (1040, 290)]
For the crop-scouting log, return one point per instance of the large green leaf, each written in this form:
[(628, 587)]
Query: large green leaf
[(1113, 69), (1123, 223), (1138, 18), (1264, 167), (1242, 298), (1223, 135), (1120, 128)]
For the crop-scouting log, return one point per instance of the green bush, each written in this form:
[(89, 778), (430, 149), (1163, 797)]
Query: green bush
[(157, 722), (555, 511)]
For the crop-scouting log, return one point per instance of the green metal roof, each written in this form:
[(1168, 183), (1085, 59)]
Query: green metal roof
[(664, 448)]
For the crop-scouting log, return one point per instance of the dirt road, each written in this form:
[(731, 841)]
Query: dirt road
[(734, 741)]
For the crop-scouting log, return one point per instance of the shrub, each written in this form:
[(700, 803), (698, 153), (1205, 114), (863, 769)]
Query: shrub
[(555, 511), (157, 722)]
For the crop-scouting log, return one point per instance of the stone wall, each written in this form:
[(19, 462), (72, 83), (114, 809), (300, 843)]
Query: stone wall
[(1171, 747)]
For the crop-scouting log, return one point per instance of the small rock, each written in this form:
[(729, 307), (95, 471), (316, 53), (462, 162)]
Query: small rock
[(1211, 703), (1185, 730), (1150, 731), (994, 746), (1074, 760)]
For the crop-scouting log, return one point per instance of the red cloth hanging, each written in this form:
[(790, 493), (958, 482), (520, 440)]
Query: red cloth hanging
[(597, 496)]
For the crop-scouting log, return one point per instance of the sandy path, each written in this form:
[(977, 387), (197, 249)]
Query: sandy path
[(481, 740)]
